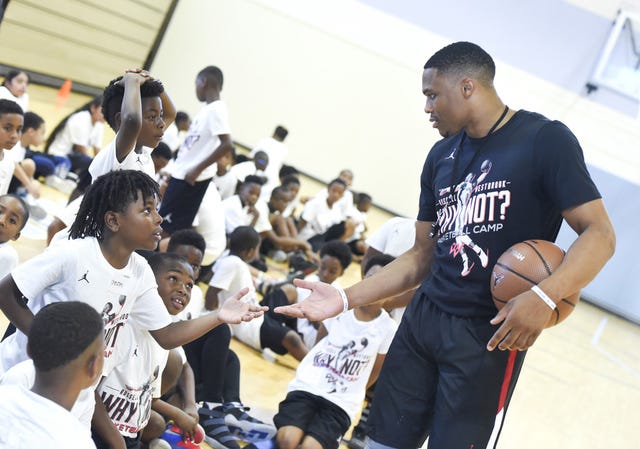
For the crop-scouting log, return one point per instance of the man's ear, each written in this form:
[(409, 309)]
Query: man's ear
[(116, 119), (112, 221), (468, 86)]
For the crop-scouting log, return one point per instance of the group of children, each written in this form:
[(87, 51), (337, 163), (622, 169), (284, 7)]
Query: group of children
[(131, 246)]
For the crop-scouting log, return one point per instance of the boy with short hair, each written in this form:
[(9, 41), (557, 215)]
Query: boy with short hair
[(33, 130), (11, 121), (66, 344), (208, 139), (14, 214)]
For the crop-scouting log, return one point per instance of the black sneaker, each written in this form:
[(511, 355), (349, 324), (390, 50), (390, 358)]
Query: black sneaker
[(245, 426), (298, 262), (216, 432)]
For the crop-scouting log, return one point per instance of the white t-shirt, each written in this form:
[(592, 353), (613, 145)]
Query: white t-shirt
[(172, 136), (7, 166), (18, 152), (24, 373), (236, 215), (129, 388), (304, 327), (202, 139), (77, 131), (77, 270), (22, 100), (209, 222), (319, 217), (338, 367), (106, 161), (28, 421), (396, 236), (244, 169), (277, 152), (344, 204), (8, 258), (230, 275), (196, 306), (226, 184)]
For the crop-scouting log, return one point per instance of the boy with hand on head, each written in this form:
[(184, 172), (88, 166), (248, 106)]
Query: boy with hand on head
[(207, 140), (66, 344), (14, 214), (137, 108), (11, 121), (331, 381)]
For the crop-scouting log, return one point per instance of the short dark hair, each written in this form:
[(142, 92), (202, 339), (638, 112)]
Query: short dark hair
[(10, 107), (113, 191), (213, 74), (159, 262), (181, 116), (279, 190), (163, 151), (290, 179), (339, 182), (463, 59), (378, 259), (187, 237), (114, 92), (339, 250), (363, 197), (31, 121), (60, 332), (253, 179), (287, 170), (281, 132), (11, 74), (23, 205), (243, 238)]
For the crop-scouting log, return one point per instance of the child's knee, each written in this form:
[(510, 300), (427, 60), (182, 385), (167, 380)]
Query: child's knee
[(154, 428), (289, 437), (290, 292)]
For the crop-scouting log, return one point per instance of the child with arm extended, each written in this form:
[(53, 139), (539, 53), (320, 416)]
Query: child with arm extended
[(117, 216)]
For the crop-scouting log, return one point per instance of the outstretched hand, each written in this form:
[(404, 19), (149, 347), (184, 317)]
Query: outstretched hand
[(523, 318), (323, 302), (235, 311)]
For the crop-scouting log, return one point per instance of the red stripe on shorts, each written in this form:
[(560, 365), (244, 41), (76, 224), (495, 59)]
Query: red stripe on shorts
[(508, 375)]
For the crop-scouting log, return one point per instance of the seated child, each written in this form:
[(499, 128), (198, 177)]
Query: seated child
[(66, 344), (230, 272), (331, 380), (335, 257), (14, 214), (358, 214), (33, 131), (11, 121), (224, 179), (216, 368), (255, 167), (135, 384)]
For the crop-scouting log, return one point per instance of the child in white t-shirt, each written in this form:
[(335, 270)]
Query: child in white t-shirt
[(66, 344), (14, 214), (331, 381), (117, 216), (137, 384), (11, 121), (207, 140)]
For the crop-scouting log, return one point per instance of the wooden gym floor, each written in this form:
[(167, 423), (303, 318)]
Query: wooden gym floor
[(579, 388)]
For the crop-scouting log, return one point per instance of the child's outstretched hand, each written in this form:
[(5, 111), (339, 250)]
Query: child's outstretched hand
[(235, 311)]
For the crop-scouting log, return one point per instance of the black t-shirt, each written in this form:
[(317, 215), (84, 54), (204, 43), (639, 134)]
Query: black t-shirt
[(527, 172)]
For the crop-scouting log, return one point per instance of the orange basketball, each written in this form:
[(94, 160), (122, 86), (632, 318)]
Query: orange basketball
[(524, 265)]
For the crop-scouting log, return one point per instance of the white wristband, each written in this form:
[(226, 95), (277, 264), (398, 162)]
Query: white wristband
[(548, 301), (345, 301)]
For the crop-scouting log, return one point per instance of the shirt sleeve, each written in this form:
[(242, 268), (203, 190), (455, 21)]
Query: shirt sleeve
[(78, 129), (149, 311), (390, 328), (223, 274), (50, 266), (219, 120)]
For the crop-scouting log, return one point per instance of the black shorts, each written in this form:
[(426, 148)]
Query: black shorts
[(180, 204), (316, 416), (130, 443), (272, 333), (439, 380)]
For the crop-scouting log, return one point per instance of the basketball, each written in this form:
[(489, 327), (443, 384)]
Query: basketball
[(524, 265)]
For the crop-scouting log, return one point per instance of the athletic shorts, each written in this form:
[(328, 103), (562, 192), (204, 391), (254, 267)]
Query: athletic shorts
[(316, 416), (272, 333), (180, 204), (439, 380)]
